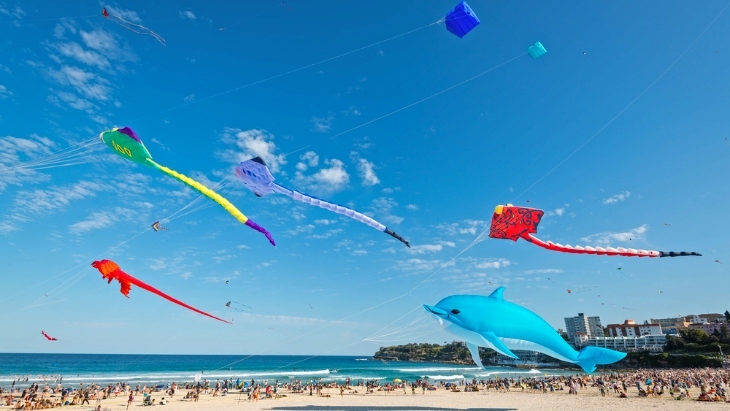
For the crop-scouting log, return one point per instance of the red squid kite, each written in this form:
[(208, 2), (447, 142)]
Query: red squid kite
[(510, 222), (111, 271)]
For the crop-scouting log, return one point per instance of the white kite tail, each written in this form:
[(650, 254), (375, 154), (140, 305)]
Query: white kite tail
[(304, 198), (610, 251)]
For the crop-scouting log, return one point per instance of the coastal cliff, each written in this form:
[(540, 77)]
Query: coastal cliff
[(450, 353)]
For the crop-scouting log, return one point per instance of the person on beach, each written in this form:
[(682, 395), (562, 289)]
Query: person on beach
[(131, 398)]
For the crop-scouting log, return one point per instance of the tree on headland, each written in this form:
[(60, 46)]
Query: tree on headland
[(727, 315)]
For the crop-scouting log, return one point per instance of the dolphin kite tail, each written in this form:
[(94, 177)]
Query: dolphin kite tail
[(589, 357)]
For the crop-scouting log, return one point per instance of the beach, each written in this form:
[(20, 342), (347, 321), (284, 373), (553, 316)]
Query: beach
[(658, 389), (440, 399)]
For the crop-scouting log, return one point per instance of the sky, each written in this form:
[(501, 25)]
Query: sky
[(619, 133)]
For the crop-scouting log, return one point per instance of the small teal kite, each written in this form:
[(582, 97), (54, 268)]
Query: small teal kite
[(536, 50)]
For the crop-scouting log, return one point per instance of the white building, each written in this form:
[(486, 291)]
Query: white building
[(643, 343), (587, 326), (630, 329)]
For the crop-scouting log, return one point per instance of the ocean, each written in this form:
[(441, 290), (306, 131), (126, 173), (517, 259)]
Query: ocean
[(164, 369)]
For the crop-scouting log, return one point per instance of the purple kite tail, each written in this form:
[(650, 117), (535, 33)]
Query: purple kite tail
[(261, 230)]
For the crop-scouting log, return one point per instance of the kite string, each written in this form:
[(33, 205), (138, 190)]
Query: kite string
[(627, 106), (431, 96)]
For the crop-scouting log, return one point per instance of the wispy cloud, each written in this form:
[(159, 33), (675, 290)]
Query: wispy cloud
[(383, 208), (251, 143), (13, 151), (607, 238), (187, 14), (322, 124), (412, 207), (189, 98), (4, 92), (620, 197), (492, 263), (102, 219), (421, 265), (12, 11), (544, 271), (352, 112), (470, 227), (425, 248)]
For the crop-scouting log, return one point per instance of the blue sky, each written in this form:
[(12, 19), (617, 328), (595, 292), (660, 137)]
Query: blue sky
[(432, 172)]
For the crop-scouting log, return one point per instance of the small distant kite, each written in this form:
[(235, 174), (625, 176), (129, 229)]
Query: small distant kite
[(48, 337), (241, 308), (661, 292), (110, 271), (226, 281), (718, 261), (136, 28), (570, 291), (511, 223), (125, 143), (461, 20), (536, 50), (157, 227), (256, 177), (619, 268)]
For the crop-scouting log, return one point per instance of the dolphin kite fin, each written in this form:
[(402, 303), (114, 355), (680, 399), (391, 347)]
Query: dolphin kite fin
[(588, 357), (498, 345), (474, 351), (498, 293)]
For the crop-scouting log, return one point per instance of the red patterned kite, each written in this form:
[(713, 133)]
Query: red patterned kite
[(48, 337), (111, 271), (510, 222)]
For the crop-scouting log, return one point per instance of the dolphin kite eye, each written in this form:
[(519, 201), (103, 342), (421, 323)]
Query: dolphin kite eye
[(455, 311)]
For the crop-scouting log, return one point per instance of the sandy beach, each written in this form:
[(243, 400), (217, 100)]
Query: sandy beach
[(588, 398)]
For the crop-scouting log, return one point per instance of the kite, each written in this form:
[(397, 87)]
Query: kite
[(110, 271), (157, 227), (48, 337), (718, 261), (510, 223), (238, 306), (125, 143), (536, 50), (136, 28), (504, 326), (256, 177), (461, 20)]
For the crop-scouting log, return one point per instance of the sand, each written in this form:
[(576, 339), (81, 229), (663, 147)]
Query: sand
[(587, 399)]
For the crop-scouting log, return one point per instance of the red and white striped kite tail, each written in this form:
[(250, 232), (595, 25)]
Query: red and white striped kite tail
[(610, 251)]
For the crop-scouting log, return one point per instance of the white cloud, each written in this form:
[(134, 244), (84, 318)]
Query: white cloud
[(101, 219), (322, 124), (605, 239), (366, 169), (187, 15), (412, 207), (84, 82), (252, 143), (383, 206), (91, 58), (469, 227), (330, 179), (545, 271), (15, 12), (14, 151), (55, 198), (447, 243), (493, 263), (359, 252), (325, 222), (189, 98), (352, 111), (309, 159), (421, 265), (620, 197), (4, 92), (425, 248), (5, 69)]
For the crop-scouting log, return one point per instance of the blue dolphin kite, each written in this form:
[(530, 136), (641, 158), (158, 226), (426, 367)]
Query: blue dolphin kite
[(503, 326)]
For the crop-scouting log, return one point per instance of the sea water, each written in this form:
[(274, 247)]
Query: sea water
[(165, 369)]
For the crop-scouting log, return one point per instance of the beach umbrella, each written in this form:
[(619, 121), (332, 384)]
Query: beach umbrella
[(397, 381)]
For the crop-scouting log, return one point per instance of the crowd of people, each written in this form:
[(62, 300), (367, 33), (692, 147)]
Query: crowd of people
[(687, 384)]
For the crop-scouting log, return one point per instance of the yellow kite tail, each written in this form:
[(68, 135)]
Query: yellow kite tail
[(205, 190), (217, 198)]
